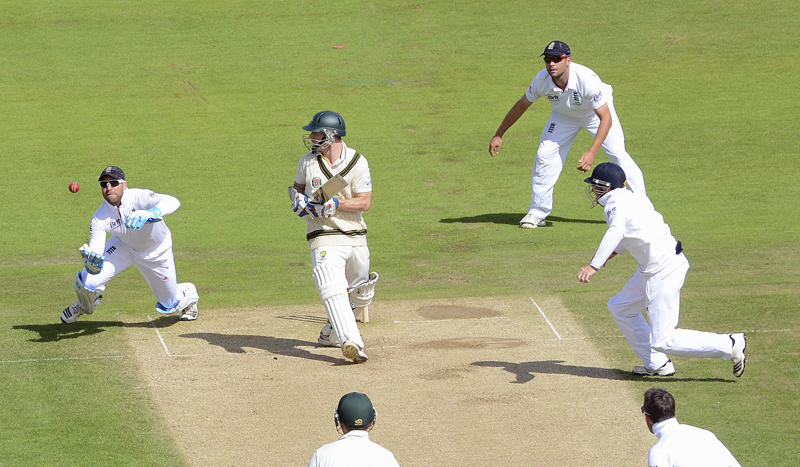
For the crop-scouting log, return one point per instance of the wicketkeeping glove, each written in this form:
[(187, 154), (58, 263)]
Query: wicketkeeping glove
[(326, 209), (300, 204), (93, 262), (137, 219)]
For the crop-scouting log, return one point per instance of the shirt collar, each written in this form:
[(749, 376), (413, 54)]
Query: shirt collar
[(356, 434), (660, 428)]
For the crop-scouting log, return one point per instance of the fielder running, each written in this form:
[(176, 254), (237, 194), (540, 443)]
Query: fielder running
[(139, 237), (580, 100), (336, 231), (634, 225)]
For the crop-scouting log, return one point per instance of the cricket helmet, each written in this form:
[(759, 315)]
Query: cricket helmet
[(355, 411), (327, 120), (605, 177)]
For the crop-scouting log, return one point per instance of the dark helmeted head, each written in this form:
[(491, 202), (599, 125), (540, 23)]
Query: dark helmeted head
[(326, 127), (355, 411), (605, 177)]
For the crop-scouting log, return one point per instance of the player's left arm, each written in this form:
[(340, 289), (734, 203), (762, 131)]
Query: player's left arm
[(154, 207), (360, 202), (362, 192), (165, 204), (587, 159)]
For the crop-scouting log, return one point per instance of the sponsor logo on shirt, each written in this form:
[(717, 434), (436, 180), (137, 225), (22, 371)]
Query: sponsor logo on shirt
[(597, 97), (114, 224), (610, 213), (552, 98)]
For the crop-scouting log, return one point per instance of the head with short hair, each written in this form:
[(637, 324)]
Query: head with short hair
[(355, 412), (659, 405)]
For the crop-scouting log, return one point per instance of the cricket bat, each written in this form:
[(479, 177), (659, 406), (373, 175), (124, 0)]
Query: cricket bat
[(329, 189)]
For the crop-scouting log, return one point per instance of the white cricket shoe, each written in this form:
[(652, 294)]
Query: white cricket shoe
[(737, 355), (190, 313), (71, 313), (666, 370), (531, 222), (353, 352)]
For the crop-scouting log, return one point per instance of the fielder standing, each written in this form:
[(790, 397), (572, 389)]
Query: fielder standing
[(680, 445), (355, 416), (336, 231), (634, 225), (139, 237), (580, 100)]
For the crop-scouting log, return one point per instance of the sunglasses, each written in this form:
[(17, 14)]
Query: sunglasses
[(645, 412), (113, 183), (550, 58)]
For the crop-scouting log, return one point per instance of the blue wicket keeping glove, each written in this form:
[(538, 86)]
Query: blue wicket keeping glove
[(93, 262), (326, 209), (137, 219)]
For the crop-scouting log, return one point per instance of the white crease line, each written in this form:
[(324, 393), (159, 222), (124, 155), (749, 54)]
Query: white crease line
[(545, 318), (61, 359), (158, 333)]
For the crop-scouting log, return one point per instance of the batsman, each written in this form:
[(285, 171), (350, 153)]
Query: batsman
[(332, 190)]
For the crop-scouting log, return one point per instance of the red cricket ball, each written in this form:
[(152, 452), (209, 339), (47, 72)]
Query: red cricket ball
[(74, 187)]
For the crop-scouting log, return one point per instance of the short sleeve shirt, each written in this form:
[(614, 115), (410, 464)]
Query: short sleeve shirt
[(584, 93)]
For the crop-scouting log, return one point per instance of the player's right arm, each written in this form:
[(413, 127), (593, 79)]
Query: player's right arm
[(510, 119)]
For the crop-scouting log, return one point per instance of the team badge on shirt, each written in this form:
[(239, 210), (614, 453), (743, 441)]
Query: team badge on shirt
[(316, 182)]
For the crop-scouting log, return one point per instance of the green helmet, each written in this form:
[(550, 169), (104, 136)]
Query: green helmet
[(327, 120), (355, 410)]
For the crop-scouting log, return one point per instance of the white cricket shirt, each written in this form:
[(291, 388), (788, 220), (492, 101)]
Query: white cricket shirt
[(584, 92), (148, 242), (345, 228), (688, 446), (353, 449), (634, 225)]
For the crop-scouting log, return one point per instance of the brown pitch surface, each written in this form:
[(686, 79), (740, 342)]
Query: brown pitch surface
[(469, 382)]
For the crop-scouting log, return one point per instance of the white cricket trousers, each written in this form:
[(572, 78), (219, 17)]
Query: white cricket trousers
[(335, 269), (660, 295), (557, 137), (158, 272)]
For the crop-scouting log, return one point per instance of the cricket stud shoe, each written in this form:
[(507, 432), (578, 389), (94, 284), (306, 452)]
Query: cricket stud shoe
[(71, 313), (190, 313), (666, 369), (531, 222), (324, 339), (353, 352), (737, 354)]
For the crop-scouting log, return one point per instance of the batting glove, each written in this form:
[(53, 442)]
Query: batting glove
[(300, 205), (93, 262), (137, 219), (326, 209)]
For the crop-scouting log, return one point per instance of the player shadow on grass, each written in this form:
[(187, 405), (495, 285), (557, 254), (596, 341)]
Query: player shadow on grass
[(512, 218), (235, 343), (526, 371), (55, 332)]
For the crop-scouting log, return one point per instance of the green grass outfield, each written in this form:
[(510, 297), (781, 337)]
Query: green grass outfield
[(204, 100)]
